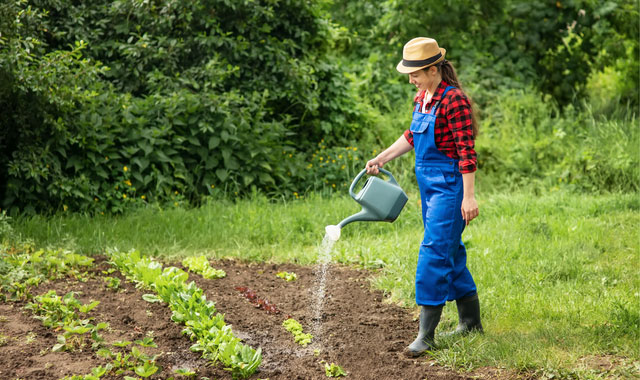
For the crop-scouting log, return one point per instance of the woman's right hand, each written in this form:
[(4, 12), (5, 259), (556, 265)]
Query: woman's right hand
[(373, 166)]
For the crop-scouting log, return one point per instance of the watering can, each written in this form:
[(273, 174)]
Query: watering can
[(380, 200)]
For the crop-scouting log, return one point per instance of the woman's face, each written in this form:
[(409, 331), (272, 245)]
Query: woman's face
[(422, 79)]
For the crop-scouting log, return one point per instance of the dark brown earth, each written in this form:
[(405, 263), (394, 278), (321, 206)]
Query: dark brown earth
[(358, 330)]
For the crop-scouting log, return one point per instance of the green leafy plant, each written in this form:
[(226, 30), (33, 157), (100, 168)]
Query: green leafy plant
[(333, 370), (112, 283), (185, 372), (201, 265), (295, 328), (287, 276)]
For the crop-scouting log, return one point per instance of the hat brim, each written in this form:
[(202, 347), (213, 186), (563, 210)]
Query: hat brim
[(410, 69)]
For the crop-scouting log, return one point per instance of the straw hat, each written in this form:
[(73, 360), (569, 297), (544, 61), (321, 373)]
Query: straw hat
[(420, 53)]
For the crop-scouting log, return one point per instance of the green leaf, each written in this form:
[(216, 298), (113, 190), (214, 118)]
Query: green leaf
[(151, 298), (58, 347), (222, 174), (214, 141)]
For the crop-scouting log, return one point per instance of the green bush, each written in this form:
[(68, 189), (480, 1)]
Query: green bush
[(165, 100)]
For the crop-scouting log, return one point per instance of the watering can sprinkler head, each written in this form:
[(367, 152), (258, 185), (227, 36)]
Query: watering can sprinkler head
[(380, 200)]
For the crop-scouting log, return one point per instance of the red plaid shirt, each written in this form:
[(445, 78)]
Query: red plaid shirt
[(453, 132)]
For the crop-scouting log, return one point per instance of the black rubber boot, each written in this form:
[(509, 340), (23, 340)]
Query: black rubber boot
[(429, 319), (468, 315)]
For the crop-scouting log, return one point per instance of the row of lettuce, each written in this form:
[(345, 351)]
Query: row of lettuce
[(22, 272)]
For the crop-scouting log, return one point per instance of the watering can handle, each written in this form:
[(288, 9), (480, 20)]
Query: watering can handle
[(355, 180)]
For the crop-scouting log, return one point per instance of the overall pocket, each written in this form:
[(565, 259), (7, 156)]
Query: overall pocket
[(421, 122)]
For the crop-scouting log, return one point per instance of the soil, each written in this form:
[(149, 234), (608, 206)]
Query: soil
[(358, 329)]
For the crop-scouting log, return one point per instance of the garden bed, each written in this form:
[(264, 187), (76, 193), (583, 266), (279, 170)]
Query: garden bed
[(358, 330)]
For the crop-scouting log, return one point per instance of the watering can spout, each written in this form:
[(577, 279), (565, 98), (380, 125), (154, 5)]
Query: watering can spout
[(362, 216)]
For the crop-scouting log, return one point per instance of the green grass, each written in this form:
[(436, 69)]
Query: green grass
[(557, 274)]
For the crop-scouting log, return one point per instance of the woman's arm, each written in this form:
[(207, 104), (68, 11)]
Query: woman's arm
[(398, 148), (469, 206)]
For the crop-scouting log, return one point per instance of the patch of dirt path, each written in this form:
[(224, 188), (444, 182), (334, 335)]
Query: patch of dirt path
[(356, 330)]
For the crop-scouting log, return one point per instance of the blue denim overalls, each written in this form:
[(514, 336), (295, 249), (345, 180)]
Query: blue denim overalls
[(442, 273)]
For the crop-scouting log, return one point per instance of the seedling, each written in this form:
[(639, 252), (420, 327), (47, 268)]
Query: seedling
[(295, 328), (258, 302), (112, 283), (287, 276), (3, 339), (31, 337), (201, 266), (146, 342), (185, 372), (333, 370)]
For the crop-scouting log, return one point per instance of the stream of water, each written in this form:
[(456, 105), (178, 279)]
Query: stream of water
[(324, 258)]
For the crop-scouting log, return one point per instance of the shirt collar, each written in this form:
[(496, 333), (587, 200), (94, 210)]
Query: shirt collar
[(439, 91)]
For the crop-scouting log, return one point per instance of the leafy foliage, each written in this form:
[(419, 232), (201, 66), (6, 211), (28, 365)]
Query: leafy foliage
[(162, 98), (22, 271), (115, 104)]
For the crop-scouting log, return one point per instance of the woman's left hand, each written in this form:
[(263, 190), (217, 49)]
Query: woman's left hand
[(469, 209)]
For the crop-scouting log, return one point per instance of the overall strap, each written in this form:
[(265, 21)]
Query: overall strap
[(447, 90), (434, 109)]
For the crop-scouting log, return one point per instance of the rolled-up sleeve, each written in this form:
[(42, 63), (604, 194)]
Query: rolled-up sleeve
[(409, 136)]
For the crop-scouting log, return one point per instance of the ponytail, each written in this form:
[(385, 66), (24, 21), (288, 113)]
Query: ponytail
[(449, 75)]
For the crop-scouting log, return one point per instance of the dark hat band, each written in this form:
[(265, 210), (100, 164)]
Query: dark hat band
[(422, 62)]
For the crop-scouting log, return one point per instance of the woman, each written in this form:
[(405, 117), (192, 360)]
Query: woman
[(442, 133)]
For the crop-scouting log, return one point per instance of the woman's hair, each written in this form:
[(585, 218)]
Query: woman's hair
[(450, 76)]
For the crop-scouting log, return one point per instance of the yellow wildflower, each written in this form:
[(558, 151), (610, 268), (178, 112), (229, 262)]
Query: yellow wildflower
[(340, 156), (127, 182), (65, 207), (124, 195), (176, 192), (333, 185), (355, 148), (126, 169), (342, 167), (213, 186), (143, 197), (333, 161), (309, 166)]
